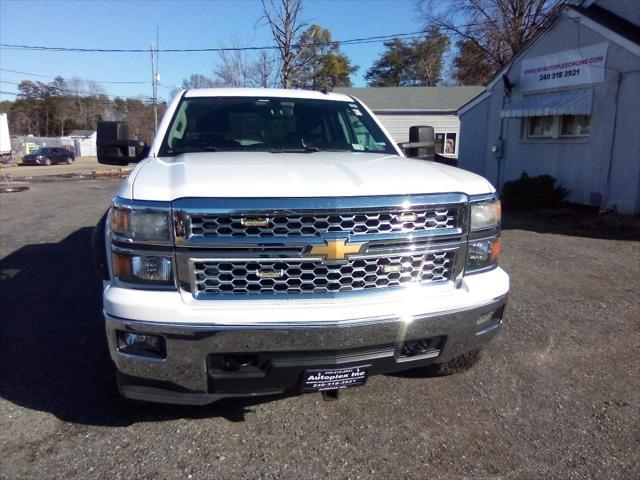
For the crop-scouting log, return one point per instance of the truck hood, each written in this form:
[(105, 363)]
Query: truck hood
[(318, 174)]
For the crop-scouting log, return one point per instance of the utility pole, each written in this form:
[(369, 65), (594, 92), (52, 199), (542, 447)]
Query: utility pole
[(155, 78)]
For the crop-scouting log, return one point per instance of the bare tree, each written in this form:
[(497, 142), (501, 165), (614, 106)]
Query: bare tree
[(75, 86), (262, 71), (197, 80), (283, 19), (95, 89), (496, 28), (236, 68), (233, 68), (96, 100)]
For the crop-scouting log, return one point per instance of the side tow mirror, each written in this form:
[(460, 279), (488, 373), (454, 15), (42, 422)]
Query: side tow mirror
[(114, 147), (421, 144)]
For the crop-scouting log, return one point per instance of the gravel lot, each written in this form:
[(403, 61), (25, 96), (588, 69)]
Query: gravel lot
[(557, 395), (82, 165)]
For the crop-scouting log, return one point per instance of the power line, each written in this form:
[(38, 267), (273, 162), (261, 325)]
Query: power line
[(26, 73), (52, 77), (168, 87), (352, 41)]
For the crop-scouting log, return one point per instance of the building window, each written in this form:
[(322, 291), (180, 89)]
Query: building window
[(556, 126), (575, 125), (541, 127), (446, 143)]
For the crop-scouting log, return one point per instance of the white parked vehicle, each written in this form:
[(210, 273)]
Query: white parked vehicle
[(279, 241), (6, 153)]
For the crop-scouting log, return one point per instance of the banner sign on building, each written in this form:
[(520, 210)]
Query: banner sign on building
[(581, 66)]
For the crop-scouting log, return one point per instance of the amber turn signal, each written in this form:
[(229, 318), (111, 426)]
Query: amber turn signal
[(496, 249), (122, 266), (120, 220)]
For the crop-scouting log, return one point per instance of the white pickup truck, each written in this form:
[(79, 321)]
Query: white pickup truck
[(279, 241)]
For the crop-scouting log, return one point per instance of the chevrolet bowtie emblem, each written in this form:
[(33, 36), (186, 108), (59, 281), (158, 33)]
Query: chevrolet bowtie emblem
[(336, 249)]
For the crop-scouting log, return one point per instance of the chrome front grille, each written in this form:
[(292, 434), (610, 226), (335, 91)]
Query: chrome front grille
[(315, 224), (300, 275), (326, 245)]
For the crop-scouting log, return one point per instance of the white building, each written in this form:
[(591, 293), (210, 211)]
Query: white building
[(567, 105), (399, 108), (84, 142)]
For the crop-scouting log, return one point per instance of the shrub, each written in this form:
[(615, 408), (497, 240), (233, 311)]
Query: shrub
[(533, 192)]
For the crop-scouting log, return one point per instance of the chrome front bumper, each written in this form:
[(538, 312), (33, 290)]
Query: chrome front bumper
[(185, 375)]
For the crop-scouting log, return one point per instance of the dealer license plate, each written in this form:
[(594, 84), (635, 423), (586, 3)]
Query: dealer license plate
[(319, 380)]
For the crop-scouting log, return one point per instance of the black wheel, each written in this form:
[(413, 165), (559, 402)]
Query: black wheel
[(459, 364), (68, 160), (47, 161)]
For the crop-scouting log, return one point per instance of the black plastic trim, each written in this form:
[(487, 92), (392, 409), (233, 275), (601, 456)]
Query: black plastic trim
[(99, 248)]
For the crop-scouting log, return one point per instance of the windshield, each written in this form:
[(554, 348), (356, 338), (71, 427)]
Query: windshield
[(272, 124), (40, 151)]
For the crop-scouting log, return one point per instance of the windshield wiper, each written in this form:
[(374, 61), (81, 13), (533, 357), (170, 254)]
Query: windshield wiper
[(192, 149), (295, 150)]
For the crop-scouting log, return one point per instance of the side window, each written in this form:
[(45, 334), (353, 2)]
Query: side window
[(556, 126), (575, 125), (344, 129), (446, 143), (450, 144), (365, 139), (179, 126), (540, 127), (362, 133)]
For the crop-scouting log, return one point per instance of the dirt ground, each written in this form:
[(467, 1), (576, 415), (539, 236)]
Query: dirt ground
[(82, 165), (556, 395)]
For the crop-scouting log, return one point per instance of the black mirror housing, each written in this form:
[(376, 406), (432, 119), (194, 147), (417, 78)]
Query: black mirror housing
[(114, 147), (421, 144), (122, 154)]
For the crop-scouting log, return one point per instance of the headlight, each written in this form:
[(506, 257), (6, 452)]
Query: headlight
[(142, 268), (140, 224), (486, 214), (483, 254)]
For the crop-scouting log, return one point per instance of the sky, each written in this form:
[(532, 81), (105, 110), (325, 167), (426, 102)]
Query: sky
[(182, 24)]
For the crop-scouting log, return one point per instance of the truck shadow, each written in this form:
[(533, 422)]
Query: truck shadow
[(53, 350)]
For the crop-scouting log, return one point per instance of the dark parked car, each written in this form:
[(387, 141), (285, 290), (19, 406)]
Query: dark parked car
[(49, 156)]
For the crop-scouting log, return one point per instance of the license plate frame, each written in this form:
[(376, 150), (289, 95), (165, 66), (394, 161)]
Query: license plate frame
[(324, 379)]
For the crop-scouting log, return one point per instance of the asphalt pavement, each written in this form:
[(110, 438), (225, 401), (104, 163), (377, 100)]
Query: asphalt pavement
[(556, 395)]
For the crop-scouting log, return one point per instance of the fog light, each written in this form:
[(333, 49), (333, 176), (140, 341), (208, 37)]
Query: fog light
[(142, 344), (488, 320), (422, 349), (484, 319)]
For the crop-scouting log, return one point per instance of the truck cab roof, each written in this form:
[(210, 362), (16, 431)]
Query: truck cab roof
[(265, 92)]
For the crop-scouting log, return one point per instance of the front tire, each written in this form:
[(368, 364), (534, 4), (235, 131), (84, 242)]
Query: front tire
[(68, 160), (47, 162)]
